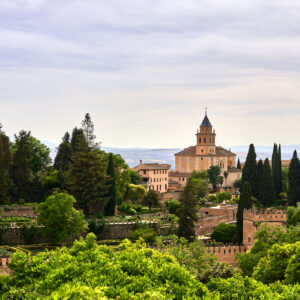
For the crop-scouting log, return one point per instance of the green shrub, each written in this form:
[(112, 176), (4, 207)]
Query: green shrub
[(172, 205), (212, 198), (30, 232), (97, 227), (88, 271), (223, 196), (225, 233), (100, 216), (147, 234), (132, 211)]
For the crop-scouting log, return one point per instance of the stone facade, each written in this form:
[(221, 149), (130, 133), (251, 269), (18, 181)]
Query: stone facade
[(155, 176), (205, 154)]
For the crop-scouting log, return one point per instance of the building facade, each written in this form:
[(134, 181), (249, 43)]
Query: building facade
[(155, 176), (206, 154)]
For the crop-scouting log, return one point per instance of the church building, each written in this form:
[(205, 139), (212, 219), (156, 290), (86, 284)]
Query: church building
[(205, 154)]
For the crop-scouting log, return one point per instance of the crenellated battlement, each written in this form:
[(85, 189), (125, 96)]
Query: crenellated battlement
[(227, 253), (266, 215)]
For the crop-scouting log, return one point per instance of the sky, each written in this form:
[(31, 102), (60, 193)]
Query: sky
[(146, 69)]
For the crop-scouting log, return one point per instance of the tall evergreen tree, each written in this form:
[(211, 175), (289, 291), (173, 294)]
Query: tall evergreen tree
[(259, 170), (88, 131), (77, 135), (267, 187), (244, 203), (87, 178), (187, 211), (276, 170), (249, 173), (21, 168), (294, 181), (111, 194), (239, 164), (279, 165), (5, 163), (64, 152)]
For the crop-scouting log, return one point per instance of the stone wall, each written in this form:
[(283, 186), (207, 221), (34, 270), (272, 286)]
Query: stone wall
[(171, 195), (4, 261), (14, 236), (17, 211), (226, 254), (113, 231)]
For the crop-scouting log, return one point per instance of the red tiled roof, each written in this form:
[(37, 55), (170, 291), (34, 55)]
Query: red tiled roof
[(191, 151)]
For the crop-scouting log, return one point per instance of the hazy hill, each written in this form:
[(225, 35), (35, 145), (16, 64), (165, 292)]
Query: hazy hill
[(134, 155)]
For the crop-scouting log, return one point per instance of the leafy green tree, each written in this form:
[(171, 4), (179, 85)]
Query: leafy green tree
[(223, 196), (135, 193), (237, 184), (173, 205), (60, 219), (151, 199), (225, 233), (187, 211), (294, 179), (111, 194), (5, 163), (135, 177), (293, 215), (249, 173), (21, 171), (272, 267), (239, 164), (214, 176), (199, 175), (225, 176), (267, 188), (40, 159), (201, 187), (244, 203)]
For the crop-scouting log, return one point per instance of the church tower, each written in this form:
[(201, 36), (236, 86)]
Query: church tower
[(206, 138)]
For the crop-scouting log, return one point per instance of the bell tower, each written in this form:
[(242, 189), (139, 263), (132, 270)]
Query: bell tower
[(206, 138)]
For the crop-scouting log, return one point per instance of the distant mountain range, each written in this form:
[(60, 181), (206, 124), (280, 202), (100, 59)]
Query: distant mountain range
[(133, 156)]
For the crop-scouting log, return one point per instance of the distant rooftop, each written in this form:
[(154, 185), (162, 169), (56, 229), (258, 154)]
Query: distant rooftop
[(206, 122)]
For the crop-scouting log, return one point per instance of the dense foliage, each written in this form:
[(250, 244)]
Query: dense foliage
[(88, 271), (225, 233)]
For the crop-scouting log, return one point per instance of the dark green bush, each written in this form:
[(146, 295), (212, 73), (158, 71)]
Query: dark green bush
[(172, 205), (225, 233), (147, 234)]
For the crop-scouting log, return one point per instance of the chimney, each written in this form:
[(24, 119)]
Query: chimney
[(141, 162)]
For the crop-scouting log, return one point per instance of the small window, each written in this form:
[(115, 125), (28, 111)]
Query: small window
[(204, 140), (144, 172), (199, 140)]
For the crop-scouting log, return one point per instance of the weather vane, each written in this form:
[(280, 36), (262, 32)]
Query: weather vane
[(206, 111)]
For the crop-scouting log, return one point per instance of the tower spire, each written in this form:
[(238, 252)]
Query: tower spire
[(205, 111)]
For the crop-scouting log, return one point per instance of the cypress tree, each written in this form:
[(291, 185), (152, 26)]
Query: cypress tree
[(5, 163), (111, 194), (21, 170), (279, 165), (260, 166), (238, 164), (187, 211), (277, 170), (249, 173), (294, 181), (244, 203), (267, 187)]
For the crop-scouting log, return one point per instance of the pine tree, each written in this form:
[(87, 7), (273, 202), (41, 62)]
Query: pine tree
[(275, 173), (249, 173), (5, 163), (244, 203), (279, 165), (294, 181), (88, 131), (87, 178), (267, 187), (77, 135), (260, 167), (188, 211), (21, 170), (111, 194), (239, 164), (64, 152)]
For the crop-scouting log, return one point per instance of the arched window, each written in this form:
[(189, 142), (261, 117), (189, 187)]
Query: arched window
[(199, 140), (204, 140)]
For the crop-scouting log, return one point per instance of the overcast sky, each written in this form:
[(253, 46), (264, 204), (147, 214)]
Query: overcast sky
[(146, 69)]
